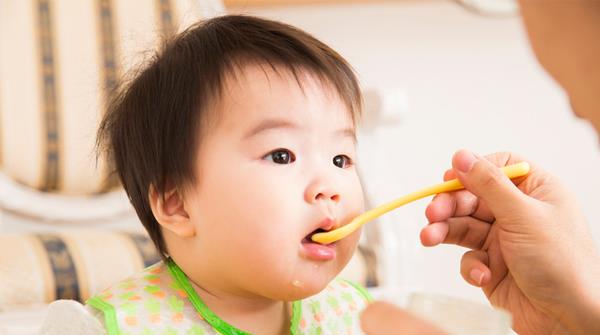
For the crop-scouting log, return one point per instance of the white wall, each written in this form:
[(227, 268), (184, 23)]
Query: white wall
[(471, 82)]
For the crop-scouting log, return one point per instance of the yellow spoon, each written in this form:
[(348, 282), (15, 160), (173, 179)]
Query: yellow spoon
[(511, 171)]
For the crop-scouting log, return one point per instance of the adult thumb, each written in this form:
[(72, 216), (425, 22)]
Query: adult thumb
[(485, 180)]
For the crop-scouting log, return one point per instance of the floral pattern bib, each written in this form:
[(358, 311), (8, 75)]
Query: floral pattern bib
[(160, 300)]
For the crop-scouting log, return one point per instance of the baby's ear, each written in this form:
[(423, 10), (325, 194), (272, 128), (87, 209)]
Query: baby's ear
[(169, 210)]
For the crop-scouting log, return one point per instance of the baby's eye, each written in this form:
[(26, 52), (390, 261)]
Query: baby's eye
[(342, 161), (280, 156)]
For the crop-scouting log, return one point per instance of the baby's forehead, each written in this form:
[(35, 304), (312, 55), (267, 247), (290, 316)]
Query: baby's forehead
[(277, 91)]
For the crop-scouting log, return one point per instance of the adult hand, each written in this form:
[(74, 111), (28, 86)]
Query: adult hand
[(531, 250), (384, 318)]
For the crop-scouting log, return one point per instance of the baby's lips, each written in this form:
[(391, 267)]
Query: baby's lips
[(328, 224)]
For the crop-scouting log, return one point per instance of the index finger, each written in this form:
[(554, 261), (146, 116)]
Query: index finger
[(465, 203)]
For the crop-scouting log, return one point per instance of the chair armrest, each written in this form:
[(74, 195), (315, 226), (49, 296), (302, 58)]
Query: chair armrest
[(24, 201)]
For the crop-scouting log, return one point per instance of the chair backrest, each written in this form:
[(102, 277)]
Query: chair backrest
[(59, 60)]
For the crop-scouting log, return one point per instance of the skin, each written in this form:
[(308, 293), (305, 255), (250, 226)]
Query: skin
[(531, 249), (376, 320), (564, 36), (237, 232), (523, 255)]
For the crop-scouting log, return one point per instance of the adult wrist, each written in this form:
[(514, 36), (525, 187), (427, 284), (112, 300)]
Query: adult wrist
[(582, 312)]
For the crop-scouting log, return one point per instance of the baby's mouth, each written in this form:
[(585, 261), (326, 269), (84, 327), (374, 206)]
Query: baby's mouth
[(308, 238), (316, 251)]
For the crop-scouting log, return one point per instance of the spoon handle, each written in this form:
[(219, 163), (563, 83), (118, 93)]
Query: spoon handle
[(511, 171)]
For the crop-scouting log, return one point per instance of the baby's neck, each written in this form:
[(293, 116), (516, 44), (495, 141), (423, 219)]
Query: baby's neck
[(251, 314)]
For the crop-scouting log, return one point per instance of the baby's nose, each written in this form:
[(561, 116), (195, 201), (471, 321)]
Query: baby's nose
[(321, 191), (325, 196)]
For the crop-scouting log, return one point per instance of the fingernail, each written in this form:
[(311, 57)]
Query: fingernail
[(464, 165), (477, 276)]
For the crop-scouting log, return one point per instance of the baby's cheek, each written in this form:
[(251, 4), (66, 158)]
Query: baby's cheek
[(358, 205), (353, 206), (347, 247)]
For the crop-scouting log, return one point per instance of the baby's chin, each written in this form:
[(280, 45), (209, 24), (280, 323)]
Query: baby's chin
[(300, 290), (313, 277), (302, 286)]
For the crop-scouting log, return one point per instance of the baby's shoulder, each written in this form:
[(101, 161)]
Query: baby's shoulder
[(65, 317), (153, 299), (149, 280), (150, 284)]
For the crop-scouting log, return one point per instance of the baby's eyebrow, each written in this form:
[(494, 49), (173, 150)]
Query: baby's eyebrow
[(269, 124)]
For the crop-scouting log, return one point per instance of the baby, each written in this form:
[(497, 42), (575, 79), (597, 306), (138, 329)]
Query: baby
[(235, 145)]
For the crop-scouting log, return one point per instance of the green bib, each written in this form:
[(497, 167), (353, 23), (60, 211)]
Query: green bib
[(160, 300)]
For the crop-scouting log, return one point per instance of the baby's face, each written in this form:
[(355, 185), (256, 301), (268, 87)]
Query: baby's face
[(277, 166)]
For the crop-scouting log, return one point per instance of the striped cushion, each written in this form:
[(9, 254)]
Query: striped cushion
[(38, 268), (58, 61)]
